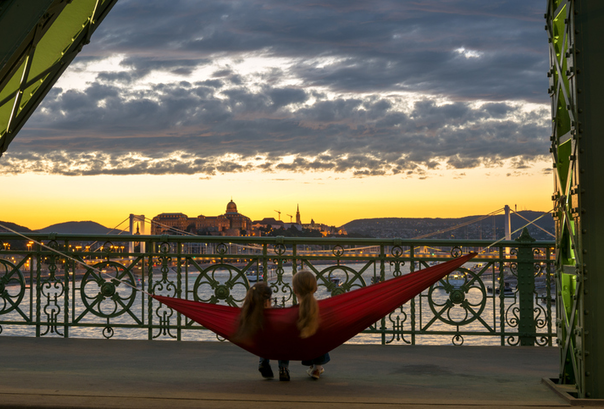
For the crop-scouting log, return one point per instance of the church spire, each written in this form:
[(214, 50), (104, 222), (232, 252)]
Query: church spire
[(298, 221)]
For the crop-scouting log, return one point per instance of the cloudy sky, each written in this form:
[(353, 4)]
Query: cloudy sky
[(350, 108)]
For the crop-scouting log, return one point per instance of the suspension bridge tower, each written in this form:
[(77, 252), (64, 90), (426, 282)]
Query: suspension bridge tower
[(576, 87), (137, 226)]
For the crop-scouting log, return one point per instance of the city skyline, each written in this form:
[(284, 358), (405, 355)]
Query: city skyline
[(150, 219), (351, 109)]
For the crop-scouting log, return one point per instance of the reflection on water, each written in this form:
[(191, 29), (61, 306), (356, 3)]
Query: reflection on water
[(444, 308)]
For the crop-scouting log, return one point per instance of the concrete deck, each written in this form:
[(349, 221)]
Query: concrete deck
[(84, 373)]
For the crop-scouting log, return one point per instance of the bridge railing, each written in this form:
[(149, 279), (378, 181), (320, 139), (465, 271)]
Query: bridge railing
[(60, 285)]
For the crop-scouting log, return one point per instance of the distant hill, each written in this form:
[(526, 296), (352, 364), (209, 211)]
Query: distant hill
[(77, 228), (14, 227), (19, 244), (470, 227)]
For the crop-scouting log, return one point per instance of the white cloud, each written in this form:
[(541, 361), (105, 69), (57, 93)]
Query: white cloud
[(468, 53)]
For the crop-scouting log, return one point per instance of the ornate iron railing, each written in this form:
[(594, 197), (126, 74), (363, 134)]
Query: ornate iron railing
[(89, 286)]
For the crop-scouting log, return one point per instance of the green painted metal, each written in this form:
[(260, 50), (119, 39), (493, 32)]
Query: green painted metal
[(577, 90), (526, 288), (38, 40), (45, 294)]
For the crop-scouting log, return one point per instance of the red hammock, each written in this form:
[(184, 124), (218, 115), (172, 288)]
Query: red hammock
[(341, 317)]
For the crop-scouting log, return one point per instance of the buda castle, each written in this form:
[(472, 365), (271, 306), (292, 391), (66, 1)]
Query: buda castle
[(232, 223)]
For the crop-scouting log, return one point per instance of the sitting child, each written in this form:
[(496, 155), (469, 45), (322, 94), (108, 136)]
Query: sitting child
[(258, 298)]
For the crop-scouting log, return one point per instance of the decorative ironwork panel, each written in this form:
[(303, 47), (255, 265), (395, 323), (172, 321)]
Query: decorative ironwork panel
[(88, 286)]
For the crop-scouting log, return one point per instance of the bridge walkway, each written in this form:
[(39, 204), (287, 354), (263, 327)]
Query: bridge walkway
[(89, 373)]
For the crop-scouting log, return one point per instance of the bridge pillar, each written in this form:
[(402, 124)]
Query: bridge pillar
[(576, 49), (526, 289)]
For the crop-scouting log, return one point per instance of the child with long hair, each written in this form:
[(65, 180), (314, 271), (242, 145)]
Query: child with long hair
[(251, 318), (305, 285)]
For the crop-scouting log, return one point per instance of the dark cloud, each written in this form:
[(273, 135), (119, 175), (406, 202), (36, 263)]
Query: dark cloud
[(142, 66), (380, 88), (379, 45)]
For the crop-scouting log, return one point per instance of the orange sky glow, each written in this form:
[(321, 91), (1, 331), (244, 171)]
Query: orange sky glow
[(37, 201)]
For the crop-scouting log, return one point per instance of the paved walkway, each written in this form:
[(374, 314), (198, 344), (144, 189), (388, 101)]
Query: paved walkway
[(84, 373)]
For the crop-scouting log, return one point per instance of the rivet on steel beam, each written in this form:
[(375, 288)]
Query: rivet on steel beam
[(584, 231), (587, 373)]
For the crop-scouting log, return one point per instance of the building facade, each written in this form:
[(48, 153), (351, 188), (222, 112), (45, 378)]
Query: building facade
[(232, 223)]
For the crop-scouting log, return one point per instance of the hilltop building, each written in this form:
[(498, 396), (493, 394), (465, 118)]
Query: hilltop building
[(272, 224), (325, 229), (232, 223), (268, 222)]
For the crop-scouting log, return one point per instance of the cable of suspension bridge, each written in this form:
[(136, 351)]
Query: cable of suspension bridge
[(75, 260), (100, 272)]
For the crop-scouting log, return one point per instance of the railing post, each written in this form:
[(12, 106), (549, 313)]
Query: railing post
[(526, 288)]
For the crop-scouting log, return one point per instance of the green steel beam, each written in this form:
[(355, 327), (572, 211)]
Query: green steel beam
[(38, 41), (577, 91)]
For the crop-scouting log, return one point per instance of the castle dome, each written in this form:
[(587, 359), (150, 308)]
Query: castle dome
[(231, 207)]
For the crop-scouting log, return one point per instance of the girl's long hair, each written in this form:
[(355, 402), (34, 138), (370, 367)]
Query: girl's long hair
[(305, 285), (251, 317)]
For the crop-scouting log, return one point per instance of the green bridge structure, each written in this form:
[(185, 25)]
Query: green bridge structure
[(55, 294)]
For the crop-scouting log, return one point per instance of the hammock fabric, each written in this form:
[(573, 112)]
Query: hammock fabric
[(341, 317)]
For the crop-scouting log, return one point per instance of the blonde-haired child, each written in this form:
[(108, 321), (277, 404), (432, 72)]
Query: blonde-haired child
[(305, 286)]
